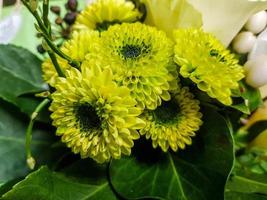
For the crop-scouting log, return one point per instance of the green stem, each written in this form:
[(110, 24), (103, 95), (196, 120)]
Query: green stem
[(30, 159), (73, 63), (45, 14), (55, 63)]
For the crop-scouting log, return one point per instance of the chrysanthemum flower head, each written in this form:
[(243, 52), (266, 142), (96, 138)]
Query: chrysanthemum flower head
[(77, 48), (141, 58), (174, 122), (93, 115), (204, 60), (103, 13)]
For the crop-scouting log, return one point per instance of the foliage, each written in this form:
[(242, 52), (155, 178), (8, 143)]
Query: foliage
[(213, 167)]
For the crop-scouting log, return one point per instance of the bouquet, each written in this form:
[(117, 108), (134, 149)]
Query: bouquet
[(140, 99)]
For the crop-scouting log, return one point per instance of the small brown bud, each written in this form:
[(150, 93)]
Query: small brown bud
[(70, 18), (55, 9), (72, 5), (59, 21)]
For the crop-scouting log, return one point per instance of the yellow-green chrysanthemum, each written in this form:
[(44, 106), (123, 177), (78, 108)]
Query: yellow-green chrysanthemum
[(93, 115), (104, 13), (204, 60), (174, 122), (141, 58), (77, 48)]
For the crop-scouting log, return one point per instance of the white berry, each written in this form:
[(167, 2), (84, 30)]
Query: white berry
[(244, 42), (256, 71), (257, 22)]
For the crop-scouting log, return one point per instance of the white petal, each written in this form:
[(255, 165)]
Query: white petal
[(225, 18)]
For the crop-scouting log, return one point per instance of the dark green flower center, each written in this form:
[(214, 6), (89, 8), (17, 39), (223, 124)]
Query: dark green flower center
[(215, 53), (134, 51), (87, 117), (167, 113), (103, 26), (131, 51)]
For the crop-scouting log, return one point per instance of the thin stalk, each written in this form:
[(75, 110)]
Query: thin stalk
[(73, 63), (30, 159), (56, 65), (45, 13)]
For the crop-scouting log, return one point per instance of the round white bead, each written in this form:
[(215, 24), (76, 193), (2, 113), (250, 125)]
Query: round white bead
[(257, 22), (256, 71), (244, 42)]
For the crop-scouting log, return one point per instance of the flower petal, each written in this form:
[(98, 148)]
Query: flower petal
[(225, 19), (169, 15)]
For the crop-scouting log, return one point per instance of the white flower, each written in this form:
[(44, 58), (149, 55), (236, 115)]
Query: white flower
[(225, 18)]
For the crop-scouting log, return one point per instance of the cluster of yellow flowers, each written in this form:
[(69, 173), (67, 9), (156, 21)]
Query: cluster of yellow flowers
[(128, 82)]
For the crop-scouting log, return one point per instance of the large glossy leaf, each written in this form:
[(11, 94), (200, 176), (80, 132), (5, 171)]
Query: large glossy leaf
[(198, 173), (20, 74), (47, 185), (12, 144), (4, 188)]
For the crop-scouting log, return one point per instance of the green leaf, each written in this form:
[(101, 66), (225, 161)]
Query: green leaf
[(198, 173), (242, 196), (250, 99), (241, 106), (4, 188), (20, 74), (246, 185), (47, 185), (12, 144), (247, 182), (253, 96)]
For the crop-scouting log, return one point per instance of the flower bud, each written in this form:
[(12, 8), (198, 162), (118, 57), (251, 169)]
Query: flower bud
[(31, 162), (72, 5), (59, 21), (40, 49), (55, 9), (70, 18), (33, 5)]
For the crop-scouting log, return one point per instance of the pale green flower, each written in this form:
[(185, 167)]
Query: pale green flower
[(93, 115)]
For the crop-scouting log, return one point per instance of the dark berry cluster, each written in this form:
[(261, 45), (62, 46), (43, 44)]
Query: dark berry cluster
[(62, 26)]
